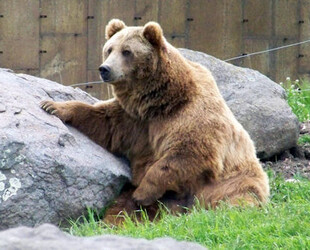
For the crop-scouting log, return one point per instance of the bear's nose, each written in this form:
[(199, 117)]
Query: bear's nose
[(105, 73)]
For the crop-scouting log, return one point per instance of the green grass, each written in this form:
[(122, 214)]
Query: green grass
[(284, 223), (304, 139), (298, 97)]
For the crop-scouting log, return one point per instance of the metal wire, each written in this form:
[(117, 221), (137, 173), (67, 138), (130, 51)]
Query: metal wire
[(266, 51), (85, 83)]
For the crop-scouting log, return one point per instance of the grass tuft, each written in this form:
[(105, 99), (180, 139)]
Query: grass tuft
[(298, 97), (304, 139)]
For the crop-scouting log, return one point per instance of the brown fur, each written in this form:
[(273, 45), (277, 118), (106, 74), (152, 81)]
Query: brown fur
[(172, 123)]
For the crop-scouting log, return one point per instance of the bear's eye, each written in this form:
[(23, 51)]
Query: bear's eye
[(109, 51), (126, 53)]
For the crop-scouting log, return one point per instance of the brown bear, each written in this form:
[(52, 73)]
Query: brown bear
[(170, 120)]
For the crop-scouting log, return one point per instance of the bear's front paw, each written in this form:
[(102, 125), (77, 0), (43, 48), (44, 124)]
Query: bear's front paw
[(57, 109), (145, 196), (140, 198), (49, 107)]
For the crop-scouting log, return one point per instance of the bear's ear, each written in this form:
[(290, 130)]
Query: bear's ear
[(114, 26), (153, 33)]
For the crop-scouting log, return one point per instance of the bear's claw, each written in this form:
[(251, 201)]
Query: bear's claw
[(49, 107)]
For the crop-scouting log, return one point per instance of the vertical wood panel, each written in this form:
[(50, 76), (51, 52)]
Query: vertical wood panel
[(286, 63), (64, 38), (304, 61), (257, 62), (177, 41), (233, 28), (99, 12), (64, 17), (147, 11), (19, 34), (172, 18), (65, 60), (286, 18), (122, 9), (207, 28), (258, 14), (96, 31)]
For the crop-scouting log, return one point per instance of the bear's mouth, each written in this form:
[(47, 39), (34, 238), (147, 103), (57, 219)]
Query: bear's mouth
[(105, 77), (106, 80), (112, 80)]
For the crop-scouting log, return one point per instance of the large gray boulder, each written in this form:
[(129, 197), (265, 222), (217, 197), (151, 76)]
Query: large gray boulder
[(257, 102), (49, 172), (49, 237)]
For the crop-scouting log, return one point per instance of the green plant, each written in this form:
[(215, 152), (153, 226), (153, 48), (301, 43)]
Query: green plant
[(304, 139), (298, 97)]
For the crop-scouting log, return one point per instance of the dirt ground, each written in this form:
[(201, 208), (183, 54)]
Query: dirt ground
[(295, 161)]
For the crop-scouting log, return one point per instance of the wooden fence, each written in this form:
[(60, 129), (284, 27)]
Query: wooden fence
[(62, 39)]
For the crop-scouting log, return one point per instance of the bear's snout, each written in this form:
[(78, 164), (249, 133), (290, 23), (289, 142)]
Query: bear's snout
[(105, 72)]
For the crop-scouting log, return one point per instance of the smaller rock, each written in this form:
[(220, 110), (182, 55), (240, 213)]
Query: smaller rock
[(49, 237), (305, 127)]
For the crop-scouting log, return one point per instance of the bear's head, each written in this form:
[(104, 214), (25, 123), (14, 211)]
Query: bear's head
[(131, 54)]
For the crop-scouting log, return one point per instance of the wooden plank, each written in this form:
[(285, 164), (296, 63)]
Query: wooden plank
[(206, 28), (20, 54), (233, 29), (20, 41), (64, 41), (258, 18), (64, 17), (15, 27), (286, 18), (65, 59), (304, 51), (286, 62), (257, 62), (101, 91), (172, 18), (303, 58), (122, 9), (146, 11), (177, 41), (99, 10), (305, 18)]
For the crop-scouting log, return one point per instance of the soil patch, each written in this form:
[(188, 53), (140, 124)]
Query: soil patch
[(295, 161)]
